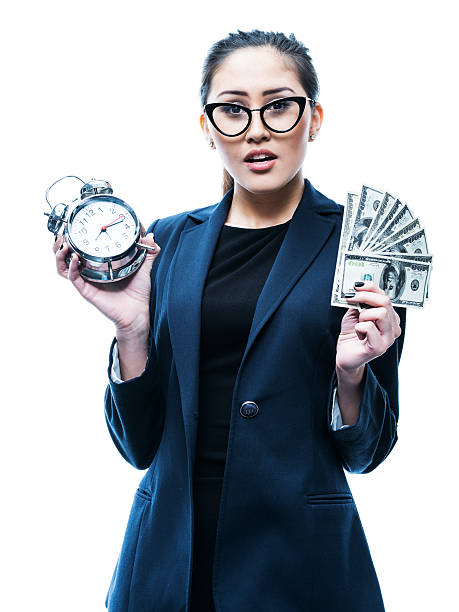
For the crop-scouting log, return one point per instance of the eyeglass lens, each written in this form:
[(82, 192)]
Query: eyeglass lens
[(279, 115)]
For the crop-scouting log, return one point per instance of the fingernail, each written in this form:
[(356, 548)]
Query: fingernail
[(60, 248), (350, 294), (359, 284), (55, 238)]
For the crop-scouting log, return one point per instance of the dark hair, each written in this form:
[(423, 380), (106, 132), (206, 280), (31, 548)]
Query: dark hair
[(289, 47)]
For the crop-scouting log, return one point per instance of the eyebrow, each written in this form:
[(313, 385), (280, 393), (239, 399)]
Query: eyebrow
[(244, 93)]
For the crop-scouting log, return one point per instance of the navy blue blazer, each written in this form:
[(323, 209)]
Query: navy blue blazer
[(289, 536)]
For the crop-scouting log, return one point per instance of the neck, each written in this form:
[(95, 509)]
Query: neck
[(257, 210)]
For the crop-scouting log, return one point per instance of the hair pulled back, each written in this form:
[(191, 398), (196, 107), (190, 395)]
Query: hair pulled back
[(290, 47)]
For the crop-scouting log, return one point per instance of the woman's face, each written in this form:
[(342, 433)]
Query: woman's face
[(253, 71)]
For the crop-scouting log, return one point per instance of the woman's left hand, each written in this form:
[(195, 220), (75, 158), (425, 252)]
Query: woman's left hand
[(367, 334)]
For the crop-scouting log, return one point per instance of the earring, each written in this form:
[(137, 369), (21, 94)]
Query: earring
[(211, 144), (312, 136)]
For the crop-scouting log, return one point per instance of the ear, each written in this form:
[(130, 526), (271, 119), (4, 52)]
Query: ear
[(204, 128), (317, 116)]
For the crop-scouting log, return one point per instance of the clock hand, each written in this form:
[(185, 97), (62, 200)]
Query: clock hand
[(119, 219), (106, 233), (104, 227)]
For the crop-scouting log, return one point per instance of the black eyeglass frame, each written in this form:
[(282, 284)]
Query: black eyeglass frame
[(301, 100)]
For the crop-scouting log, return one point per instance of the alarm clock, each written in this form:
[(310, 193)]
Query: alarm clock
[(102, 230)]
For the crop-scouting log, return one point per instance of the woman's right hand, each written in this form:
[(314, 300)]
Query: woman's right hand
[(125, 302)]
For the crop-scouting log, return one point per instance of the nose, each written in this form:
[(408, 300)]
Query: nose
[(256, 130)]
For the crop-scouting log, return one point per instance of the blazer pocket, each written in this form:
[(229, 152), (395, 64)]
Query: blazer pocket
[(330, 498)]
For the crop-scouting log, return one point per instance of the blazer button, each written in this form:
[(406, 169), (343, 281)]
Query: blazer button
[(248, 410)]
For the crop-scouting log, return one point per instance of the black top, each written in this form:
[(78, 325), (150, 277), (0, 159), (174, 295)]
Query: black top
[(241, 263)]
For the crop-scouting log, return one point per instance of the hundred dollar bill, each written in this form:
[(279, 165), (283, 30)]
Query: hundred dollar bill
[(400, 220), (414, 257), (415, 243), (381, 230), (410, 257), (387, 217), (346, 228), (369, 202), (410, 228), (386, 204), (403, 281)]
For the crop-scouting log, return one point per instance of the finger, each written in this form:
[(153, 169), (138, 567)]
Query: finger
[(151, 255), (73, 272), (61, 254), (386, 319), (359, 289), (75, 277), (57, 243), (367, 330), (380, 316), (368, 286), (372, 298), (149, 240)]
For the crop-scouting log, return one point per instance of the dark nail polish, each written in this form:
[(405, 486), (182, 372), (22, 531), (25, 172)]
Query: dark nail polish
[(60, 248), (55, 238), (350, 294), (359, 284)]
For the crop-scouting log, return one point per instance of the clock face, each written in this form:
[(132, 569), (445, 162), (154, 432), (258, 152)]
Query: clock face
[(103, 227)]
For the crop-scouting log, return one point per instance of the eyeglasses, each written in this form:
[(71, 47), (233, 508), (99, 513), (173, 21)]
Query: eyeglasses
[(280, 115)]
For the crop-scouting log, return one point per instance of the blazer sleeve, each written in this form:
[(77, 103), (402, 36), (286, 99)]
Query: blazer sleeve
[(134, 409), (364, 445)]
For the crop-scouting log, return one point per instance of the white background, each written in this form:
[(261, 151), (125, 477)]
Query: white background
[(111, 90)]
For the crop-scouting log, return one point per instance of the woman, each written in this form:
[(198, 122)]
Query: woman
[(233, 380)]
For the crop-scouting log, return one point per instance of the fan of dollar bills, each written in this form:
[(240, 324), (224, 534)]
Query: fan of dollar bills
[(382, 241)]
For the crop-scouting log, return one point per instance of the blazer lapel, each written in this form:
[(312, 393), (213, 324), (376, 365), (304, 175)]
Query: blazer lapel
[(306, 235), (187, 275), (308, 231)]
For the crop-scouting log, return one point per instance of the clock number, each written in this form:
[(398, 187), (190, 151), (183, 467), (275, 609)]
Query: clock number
[(118, 244), (112, 210), (90, 212), (84, 219), (96, 249), (125, 235), (107, 247), (86, 241), (127, 226), (83, 230), (100, 209)]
